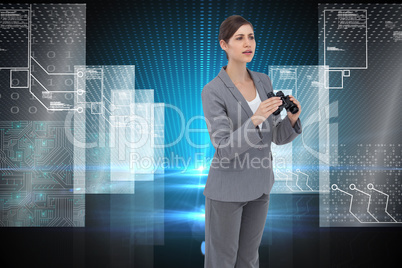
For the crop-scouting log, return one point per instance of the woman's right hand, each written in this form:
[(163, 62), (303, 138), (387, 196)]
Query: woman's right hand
[(265, 109)]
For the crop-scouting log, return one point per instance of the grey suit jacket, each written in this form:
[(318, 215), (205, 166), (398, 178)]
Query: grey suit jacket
[(241, 169)]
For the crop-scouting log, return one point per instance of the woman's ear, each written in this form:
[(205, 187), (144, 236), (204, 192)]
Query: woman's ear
[(223, 44)]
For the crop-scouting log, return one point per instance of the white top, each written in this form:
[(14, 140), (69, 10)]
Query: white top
[(254, 105)]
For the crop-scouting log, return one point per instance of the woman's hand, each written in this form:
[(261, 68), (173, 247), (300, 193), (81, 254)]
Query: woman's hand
[(293, 117), (265, 109)]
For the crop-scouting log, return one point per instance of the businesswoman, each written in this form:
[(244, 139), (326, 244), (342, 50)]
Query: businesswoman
[(241, 127)]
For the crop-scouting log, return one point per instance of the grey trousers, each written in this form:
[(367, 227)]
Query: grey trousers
[(233, 232)]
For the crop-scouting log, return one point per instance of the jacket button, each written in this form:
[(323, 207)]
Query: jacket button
[(260, 148)]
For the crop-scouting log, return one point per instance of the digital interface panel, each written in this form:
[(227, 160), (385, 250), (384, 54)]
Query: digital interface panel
[(39, 46), (302, 165), (361, 45), (68, 129)]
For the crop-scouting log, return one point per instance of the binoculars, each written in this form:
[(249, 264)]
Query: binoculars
[(286, 103)]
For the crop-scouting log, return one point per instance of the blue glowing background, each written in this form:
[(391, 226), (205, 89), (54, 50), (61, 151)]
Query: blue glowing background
[(174, 47)]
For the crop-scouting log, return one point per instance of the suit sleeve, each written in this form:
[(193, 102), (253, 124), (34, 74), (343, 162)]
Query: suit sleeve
[(283, 132), (226, 141)]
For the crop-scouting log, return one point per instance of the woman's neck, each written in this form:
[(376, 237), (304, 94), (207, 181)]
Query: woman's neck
[(237, 72)]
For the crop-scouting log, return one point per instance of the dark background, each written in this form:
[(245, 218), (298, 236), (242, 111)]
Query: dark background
[(152, 35)]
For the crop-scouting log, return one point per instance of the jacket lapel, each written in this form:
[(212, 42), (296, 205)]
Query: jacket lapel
[(236, 92)]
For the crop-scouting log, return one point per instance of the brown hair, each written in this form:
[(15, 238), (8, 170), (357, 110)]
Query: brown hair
[(229, 26)]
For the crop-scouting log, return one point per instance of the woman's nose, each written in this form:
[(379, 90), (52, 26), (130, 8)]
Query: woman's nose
[(247, 42)]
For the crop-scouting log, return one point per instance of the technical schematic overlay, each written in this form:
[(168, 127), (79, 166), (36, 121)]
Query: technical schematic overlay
[(362, 46), (68, 129)]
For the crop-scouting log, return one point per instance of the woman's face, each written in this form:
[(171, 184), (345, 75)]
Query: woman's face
[(240, 44)]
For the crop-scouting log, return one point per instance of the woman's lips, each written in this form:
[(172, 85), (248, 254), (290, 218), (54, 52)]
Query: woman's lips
[(248, 53)]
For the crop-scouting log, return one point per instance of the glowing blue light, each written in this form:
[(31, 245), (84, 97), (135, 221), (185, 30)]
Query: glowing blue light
[(187, 216), (191, 186), (203, 247)]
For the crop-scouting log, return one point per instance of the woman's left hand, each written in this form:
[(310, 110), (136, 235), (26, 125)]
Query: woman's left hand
[(293, 117)]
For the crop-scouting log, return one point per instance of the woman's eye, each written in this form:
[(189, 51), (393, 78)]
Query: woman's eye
[(239, 38)]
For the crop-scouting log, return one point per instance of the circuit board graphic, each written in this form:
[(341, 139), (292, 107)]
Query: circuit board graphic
[(68, 129), (361, 45)]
